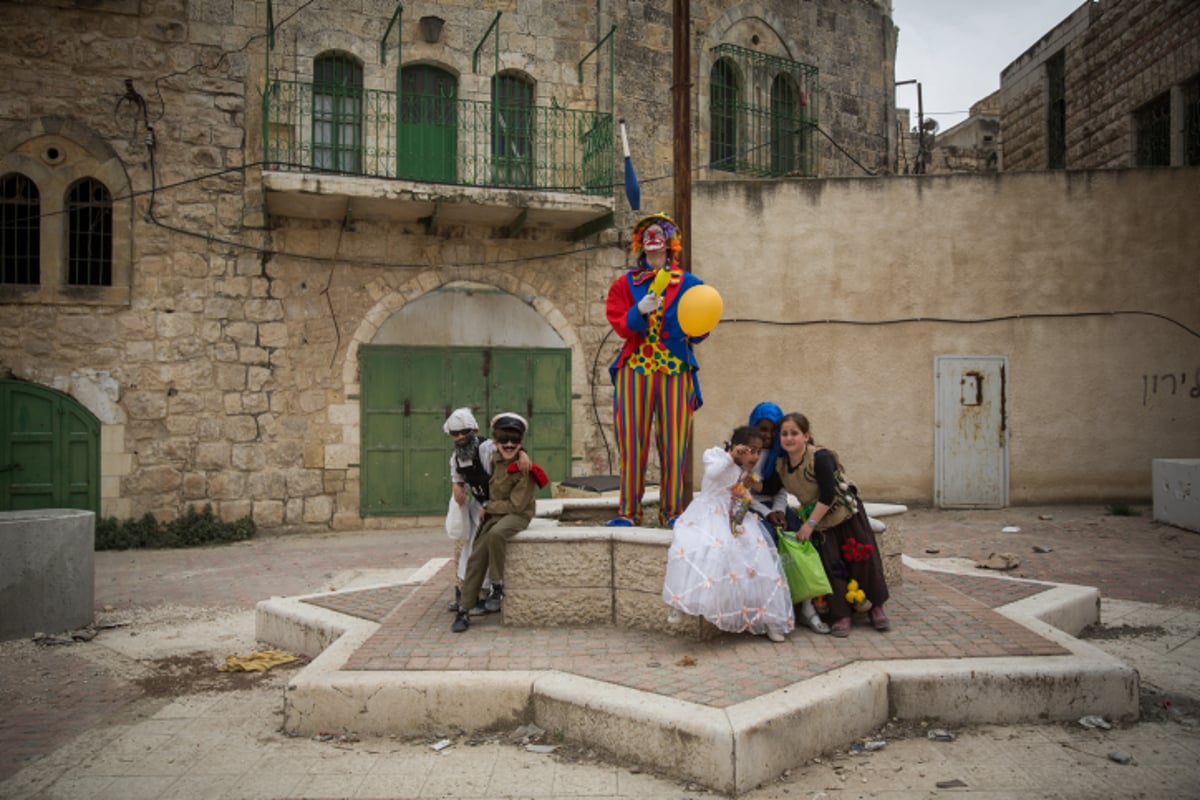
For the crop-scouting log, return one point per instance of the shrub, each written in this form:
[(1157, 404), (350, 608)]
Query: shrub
[(193, 529)]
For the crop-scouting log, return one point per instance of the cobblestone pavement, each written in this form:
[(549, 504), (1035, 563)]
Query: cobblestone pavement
[(141, 712)]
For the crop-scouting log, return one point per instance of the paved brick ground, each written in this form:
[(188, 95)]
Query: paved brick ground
[(932, 617), (1125, 557)]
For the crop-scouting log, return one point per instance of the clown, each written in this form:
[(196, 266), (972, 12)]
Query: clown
[(654, 376)]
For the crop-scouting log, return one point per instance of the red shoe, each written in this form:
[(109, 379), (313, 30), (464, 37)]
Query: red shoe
[(840, 627), (879, 618)]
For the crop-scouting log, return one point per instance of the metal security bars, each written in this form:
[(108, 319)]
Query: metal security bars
[(1191, 123), (1056, 111), (20, 231), (90, 234), (1152, 133), (431, 135), (762, 113)]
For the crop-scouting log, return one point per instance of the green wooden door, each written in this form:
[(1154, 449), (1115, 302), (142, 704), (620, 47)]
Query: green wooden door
[(427, 135), (407, 393), (49, 450)]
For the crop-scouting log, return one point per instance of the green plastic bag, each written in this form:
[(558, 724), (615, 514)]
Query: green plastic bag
[(802, 567)]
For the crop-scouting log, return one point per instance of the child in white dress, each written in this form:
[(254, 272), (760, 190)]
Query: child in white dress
[(722, 565)]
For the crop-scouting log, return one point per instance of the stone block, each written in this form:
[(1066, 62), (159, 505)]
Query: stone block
[(891, 549), (533, 607), (640, 566), (553, 562), (1176, 485), (646, 611), (47, 571)]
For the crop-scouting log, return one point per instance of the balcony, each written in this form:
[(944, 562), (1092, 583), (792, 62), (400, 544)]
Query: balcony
[(354, 154)]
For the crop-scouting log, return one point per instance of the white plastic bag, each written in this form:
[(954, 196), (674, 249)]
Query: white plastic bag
[(456, 520)]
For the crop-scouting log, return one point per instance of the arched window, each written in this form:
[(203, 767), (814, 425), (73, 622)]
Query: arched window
[(20, 230), (787, 140), (89, 234), (337, 113), (427, 137), (513, 130), (723, 105)]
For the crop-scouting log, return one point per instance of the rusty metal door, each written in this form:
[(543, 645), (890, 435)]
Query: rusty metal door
[(970, 431)]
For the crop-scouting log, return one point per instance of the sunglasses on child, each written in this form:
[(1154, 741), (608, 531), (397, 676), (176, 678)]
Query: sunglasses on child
[(462, 432), (506, 438)]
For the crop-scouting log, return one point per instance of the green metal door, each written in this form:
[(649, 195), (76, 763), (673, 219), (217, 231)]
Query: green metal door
[(49, 450), (427, 135), (407, 393)]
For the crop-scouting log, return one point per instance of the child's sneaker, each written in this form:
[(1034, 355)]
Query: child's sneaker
[(674, 617)]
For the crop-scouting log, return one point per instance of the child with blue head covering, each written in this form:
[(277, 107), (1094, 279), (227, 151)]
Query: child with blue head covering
[(773, 508)]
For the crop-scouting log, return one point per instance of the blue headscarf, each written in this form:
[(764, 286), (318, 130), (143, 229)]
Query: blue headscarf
[(775, 414)]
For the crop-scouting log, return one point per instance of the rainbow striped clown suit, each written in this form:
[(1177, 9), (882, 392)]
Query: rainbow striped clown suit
[(654, 376)]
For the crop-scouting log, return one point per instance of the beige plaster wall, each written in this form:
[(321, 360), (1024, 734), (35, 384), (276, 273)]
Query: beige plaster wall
[(831, 289)]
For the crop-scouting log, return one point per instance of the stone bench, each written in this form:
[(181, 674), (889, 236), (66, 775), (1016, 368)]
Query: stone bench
[(586, 575)]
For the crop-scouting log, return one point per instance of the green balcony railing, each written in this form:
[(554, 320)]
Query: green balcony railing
[(435, 139)]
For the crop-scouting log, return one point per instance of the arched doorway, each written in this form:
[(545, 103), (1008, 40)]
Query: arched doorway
[(462, 345), (49, 450)]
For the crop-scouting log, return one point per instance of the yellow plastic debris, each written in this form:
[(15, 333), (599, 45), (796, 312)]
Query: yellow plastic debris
[(261, 661)]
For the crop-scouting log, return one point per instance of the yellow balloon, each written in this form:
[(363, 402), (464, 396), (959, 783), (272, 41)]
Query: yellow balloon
[(700, 310)]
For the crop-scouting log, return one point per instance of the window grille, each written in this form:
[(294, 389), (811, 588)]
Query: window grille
[(1191, 123), (89, 234), (337, 113), (1056, 111), (512, 130), (763, 113), (1152, 133), (787, 143), (723, 102), (20, 231)]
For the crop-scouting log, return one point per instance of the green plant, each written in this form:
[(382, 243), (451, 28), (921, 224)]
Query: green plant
[(193, 529)]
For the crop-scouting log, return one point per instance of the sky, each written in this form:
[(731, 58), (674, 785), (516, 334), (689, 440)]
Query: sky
[(957, 48)]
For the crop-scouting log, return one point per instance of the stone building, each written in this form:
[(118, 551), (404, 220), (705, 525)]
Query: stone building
[(972, 145), (252, 253), (1116, 84)]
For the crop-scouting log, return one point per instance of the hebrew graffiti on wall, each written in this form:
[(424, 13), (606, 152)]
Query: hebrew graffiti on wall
[(1170, 383)]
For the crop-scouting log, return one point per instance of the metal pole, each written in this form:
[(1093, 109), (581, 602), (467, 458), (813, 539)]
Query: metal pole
[(920, 133), (681, 118)]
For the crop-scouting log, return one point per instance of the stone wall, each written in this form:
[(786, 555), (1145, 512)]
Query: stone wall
[(223, 365), (1119, 55)]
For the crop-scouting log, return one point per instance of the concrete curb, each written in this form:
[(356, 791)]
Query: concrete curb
[(732, 749)]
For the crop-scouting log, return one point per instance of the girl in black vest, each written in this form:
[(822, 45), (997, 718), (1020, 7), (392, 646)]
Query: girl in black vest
[(834, 518)]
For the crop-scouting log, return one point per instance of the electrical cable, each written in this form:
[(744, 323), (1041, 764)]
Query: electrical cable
[(976, 321)]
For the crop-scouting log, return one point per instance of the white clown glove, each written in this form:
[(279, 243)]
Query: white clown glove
[(649, 304)]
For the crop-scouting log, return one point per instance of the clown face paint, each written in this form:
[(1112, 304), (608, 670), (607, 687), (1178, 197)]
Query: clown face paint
[(653, 239)]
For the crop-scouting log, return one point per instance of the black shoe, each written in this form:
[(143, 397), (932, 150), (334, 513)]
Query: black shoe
[(478, 611), (453, 604), (461, 623), (495, 599)]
